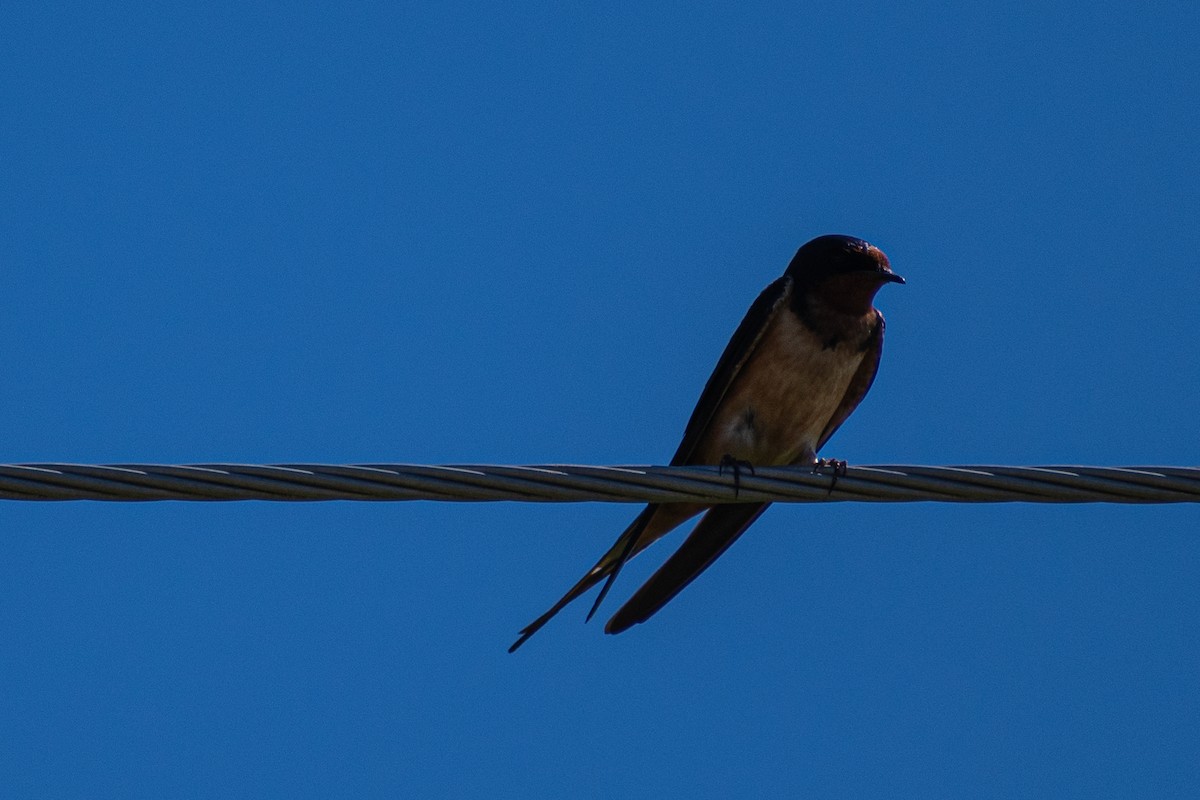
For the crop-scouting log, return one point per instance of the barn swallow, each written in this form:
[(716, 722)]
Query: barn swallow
[(799, 363)]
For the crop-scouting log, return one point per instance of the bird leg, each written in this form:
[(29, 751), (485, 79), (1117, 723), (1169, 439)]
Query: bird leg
[(736, 465), (837, 469)]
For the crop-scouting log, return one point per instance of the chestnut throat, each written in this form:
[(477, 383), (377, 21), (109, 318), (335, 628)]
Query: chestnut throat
[(838, 317)]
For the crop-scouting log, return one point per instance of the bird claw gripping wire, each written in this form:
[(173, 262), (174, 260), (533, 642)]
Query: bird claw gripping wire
[(736, 466), (836, 467)]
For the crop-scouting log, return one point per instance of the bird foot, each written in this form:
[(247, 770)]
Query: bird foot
[(836, 468), (736, 465)]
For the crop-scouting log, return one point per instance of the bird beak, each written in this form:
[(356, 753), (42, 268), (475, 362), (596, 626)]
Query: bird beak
[(891, 277)]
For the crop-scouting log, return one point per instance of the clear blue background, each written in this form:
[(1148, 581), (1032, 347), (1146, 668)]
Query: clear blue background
[(490, 233)]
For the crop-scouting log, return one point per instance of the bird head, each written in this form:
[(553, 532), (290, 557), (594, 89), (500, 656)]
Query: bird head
[(843, 271)]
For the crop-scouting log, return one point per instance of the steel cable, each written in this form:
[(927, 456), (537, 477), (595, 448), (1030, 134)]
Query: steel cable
[(574, 483)]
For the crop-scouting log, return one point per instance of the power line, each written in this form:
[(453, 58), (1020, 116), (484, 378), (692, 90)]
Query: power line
[(574, 483)]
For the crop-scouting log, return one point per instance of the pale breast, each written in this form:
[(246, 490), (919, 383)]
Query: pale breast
[(782, 399)]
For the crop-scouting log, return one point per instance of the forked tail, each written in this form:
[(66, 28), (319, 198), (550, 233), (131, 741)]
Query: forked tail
[(625, 546)]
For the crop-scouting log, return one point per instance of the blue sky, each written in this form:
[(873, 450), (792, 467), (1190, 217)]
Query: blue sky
[(240, 232)]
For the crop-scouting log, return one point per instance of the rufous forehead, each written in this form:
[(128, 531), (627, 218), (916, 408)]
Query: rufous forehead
[(877, 254)]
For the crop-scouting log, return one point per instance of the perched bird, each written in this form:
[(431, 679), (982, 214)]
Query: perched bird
[(797, 366)]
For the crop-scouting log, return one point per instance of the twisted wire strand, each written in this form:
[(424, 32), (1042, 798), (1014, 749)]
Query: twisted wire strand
[(620, 484)]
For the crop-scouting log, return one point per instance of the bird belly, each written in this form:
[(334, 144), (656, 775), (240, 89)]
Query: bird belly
[(784, 397)]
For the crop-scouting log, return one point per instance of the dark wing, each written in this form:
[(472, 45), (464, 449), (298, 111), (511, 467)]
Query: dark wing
[(859, 384), (739, 350), (723, 524), (713, 535), (741, 346)]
